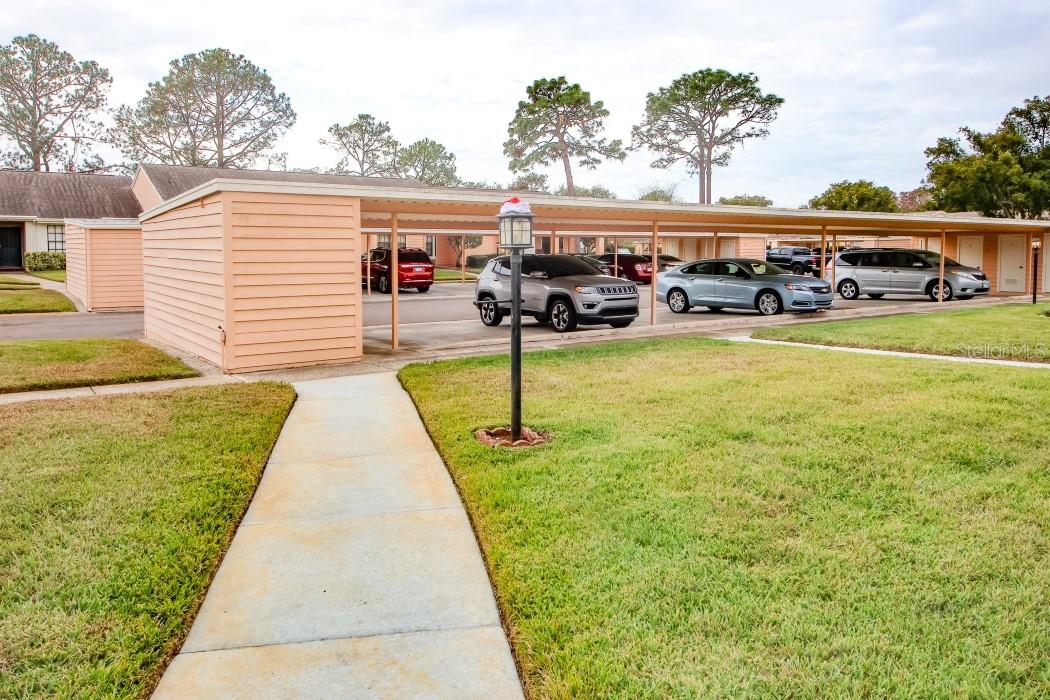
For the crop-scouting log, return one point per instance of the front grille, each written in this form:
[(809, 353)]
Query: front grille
[(821, 290), (625, 289), (618, 311)]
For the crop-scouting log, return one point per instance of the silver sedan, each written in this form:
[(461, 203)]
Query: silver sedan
[(741, 283)]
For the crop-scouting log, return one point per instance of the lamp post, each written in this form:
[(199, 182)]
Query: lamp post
[(1036, 244), (515, 234)]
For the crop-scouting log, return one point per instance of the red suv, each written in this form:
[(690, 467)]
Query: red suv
[(632, 267), (415, 269)]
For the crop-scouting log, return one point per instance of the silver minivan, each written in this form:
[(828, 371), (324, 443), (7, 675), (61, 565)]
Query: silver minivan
[(880, 271)]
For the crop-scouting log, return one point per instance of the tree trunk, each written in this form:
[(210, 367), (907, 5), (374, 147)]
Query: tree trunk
[(570, 186), (707, 180)]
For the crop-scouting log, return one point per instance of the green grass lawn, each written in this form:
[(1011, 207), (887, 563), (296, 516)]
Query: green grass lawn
[(443, 274), (114, 514), (1009, 332), (32, 300), (30, 365), (53, 275), (725, 520)]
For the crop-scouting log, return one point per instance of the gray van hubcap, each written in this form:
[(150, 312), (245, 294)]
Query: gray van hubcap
[(848, 290)]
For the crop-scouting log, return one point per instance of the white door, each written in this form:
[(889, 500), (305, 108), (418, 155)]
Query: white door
[(934, 244), (971, 251), (1012, 267), (727, 248)]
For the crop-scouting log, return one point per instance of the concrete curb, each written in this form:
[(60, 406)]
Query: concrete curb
[(116, 389)]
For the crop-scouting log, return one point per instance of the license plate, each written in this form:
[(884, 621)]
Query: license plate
[(417, 269)]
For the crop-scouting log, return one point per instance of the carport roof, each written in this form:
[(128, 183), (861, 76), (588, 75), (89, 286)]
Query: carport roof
[(173, 180), (455, 209)]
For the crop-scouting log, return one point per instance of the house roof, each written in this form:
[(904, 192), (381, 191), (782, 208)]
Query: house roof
[(66, 195), (172, 180)]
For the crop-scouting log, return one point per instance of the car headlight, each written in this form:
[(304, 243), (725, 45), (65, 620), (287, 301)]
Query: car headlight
[(797, 287), (586, 290), (965, 275)]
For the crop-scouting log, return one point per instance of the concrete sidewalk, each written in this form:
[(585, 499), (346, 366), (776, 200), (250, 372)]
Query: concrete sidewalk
[(355, 572)]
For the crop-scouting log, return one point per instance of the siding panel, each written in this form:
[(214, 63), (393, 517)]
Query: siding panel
[(76, 263), (115, 269), (184, 279), (294, 271)]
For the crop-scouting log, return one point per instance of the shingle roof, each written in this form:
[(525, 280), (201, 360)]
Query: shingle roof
[(66, 195), (173, 180)]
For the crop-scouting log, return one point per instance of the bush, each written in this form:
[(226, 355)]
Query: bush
[(476, 261), (34, 262)]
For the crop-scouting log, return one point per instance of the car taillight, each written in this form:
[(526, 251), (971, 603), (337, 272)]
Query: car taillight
[(642, 267)]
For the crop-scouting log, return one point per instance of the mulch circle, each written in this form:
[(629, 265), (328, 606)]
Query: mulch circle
[(500, 437)]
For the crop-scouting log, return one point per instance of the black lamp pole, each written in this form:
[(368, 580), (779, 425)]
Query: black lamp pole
[(515, 344), (1035, 270)]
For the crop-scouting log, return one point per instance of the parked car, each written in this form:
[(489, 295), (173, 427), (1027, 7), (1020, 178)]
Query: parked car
[(880, 271), (415, 269), (561, 290), (602, 267), (799, 260), (668, 262), (741, 283), (632, 267)]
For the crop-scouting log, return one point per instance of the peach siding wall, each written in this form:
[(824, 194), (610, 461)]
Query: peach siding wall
[(114, 269), (752, 248), (293, 280), (183, 278), (76, 262)]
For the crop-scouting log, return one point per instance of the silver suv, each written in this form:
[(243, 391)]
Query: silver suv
[(880, 271), (561, 290)]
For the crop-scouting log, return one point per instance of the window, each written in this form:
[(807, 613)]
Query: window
[(383, 241), (56, 238), (431, 246), (729, 269), (704, 268)]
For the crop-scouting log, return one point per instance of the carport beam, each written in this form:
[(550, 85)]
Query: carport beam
[(652, 275), (395, 280), (463, 260), (368, 262), (823, 249), (940, 297), (834, 259)]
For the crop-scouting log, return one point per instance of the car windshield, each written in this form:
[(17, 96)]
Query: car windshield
[(565, 265), (760, 267), (935, 258)]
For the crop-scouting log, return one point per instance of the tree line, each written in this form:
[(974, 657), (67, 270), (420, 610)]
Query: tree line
[(218, 109)]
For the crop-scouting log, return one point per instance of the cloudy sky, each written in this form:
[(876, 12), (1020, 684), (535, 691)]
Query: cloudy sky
[(867, 85)]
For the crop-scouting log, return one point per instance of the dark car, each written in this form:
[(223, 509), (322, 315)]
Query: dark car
[(636, 268), (602, 267), (415, 269), (797, 259), (668, 262)]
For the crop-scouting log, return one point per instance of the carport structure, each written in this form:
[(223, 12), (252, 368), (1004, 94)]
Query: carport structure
[(254, 275)]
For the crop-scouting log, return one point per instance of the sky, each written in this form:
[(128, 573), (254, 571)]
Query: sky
[(867, 85)]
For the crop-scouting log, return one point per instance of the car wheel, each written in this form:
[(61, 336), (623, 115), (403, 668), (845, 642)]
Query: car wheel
[(677, 301), (849, 290), (798, 269), (934, 290), (876, 296), (491, 315), (715, 309), (769, 304), (424, 289), (384, 285), (621, 324), (562, 316)]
